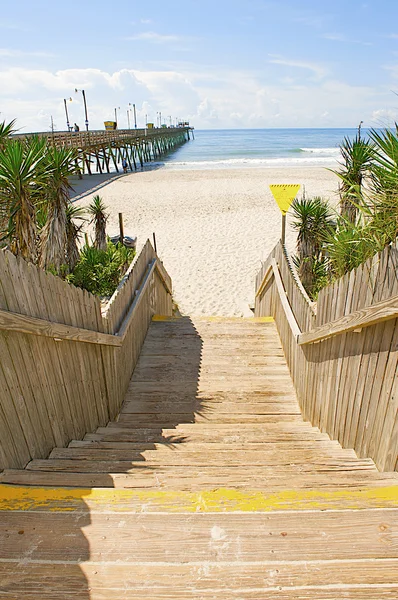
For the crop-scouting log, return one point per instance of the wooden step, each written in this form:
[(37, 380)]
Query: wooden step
[(353, 579), (220, 537), (168, 420), (213, 458), (219, 434), (317, 446), (208, 406), (180, 480)]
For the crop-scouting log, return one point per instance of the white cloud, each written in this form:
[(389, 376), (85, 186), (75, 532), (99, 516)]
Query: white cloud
[(208, 98), (384, 117), (12, 26), (313, 20), (339, 37), (12, 53), (154, 38), (393, 69), (318, 70)]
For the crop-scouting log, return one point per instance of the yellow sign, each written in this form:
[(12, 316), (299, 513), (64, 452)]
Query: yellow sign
[(284, 194)]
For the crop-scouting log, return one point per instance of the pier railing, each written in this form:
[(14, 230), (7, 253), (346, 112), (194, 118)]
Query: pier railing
[(87, 139), (65, 363), (102, 151), (342, 351)]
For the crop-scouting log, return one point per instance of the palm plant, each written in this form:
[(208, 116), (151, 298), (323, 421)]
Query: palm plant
[(99, 217), (313, 222), (53, 236), (384, 169), (347, 247), (23, 172), (73, 232), (6, 131), (357, 155), (376, 223)]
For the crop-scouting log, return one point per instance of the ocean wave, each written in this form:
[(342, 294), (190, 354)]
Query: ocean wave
[(332, 151), (231, 162)]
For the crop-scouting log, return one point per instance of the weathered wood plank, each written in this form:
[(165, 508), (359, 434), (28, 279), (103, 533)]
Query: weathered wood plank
[(11, 321), (249, 536), (129, 579), (377, 313), (182, 481)]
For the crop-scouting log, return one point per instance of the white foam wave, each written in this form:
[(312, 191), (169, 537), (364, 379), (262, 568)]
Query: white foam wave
[(253, 162), (332, 151)]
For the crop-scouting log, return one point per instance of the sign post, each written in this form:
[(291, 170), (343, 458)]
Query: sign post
[(284, 195)]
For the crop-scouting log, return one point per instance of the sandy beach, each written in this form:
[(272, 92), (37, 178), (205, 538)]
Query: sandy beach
[(213, 227)]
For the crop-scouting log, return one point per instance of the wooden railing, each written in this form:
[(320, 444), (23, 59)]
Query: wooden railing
[(86, 139), (65, 364), (342, 351)]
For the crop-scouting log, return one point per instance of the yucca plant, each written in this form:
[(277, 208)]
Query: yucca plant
[(357, 155), (53, 236), (73, 234), (5, 131), (313, 221), (23, 172), (347, 247), (99, 217), (384, 168)]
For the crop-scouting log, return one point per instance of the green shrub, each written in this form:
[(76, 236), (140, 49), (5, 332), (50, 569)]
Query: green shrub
[(100, 271)]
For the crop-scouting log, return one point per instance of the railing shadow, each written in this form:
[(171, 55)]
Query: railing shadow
[(50, 541), (163, 393)]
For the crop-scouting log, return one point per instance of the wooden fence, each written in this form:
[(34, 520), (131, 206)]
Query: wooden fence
[(65, 364), (342, 351)]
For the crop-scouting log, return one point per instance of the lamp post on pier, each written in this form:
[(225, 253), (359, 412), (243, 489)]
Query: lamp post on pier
[(128, 116), (135, 115), (116, 109), (85, 106), (66, 113)]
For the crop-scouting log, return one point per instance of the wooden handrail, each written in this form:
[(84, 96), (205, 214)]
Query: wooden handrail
[(11, 321), (267, 276), (297, 280), (137, 300), (370, 315), (273, 271), (291, 319), (377, 313)]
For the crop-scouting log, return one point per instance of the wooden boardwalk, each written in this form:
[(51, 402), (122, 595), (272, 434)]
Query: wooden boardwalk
[(209, 485)]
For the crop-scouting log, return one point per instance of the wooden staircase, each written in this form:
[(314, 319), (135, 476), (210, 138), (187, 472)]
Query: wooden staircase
[(209, 485)]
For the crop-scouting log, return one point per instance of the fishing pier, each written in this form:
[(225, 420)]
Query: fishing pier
[(101, 151)]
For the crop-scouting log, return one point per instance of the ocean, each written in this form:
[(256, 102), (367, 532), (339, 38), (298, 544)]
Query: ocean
[(238, 148)]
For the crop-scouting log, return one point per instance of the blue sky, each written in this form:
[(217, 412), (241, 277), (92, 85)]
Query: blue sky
[(219, 64)]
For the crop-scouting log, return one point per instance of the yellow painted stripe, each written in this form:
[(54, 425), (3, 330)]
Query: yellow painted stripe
[(218, 500), (164, 318)]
